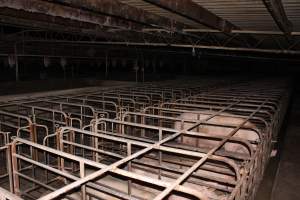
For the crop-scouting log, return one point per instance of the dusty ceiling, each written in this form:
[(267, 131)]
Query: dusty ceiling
[(264, 26)]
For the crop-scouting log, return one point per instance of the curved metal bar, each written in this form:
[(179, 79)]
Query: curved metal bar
[(167, 149)]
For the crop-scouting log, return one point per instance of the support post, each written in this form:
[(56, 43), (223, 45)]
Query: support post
[(82, 175), (106, 65), (17, 63), (9, 168), (16, 180)]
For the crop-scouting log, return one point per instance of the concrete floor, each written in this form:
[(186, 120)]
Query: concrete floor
[(12, 88), (21, 90), (287, 181), (282, 177)]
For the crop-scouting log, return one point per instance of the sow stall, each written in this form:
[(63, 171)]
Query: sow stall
[(29, 122), (35, 118), (34, 121), (213, 145)]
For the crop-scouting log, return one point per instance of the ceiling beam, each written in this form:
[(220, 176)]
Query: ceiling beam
[(59, 11), (54, 23), (49, 16), (195, 12), (11, 17), (277, 11), (123, 11)]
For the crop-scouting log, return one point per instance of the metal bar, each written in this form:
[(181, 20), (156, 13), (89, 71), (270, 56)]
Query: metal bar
[(184, 46), (82, 174), (17, 63), (252, 32)]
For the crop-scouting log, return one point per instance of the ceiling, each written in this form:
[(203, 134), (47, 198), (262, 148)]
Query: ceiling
[(263, 26)]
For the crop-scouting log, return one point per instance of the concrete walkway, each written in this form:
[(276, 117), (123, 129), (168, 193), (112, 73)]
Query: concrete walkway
[(282, 176), (287, 181)]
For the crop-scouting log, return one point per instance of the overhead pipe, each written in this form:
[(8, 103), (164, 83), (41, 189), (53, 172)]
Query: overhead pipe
[(203, 30), (211, 47)]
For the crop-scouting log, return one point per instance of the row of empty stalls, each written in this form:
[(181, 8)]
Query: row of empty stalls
[(196, 139)]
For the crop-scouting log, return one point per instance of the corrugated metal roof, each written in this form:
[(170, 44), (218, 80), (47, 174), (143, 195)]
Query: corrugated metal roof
[(292, 8), (248, 15), (162, 12)]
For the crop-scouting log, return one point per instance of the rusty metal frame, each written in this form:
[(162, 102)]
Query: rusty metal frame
[(139, 142), (264, 106), (80, 114), (122, 102), (158, 145), (101, 167), (100, 106), (22, 122)]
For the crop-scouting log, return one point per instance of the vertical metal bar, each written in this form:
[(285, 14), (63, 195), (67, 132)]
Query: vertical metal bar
[(106, 65), (159, 155), (143, 74), (97, 147), (61, 159), (143, 130), (53, 121), (34, 151), (136, 75), (72, 148), (47, 159), (16, 180), (17, 63), (198, 130), (81, 114), (82, 174), (82, 142), (9, 168), (72, 70), (129, 167), (94, 143)]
